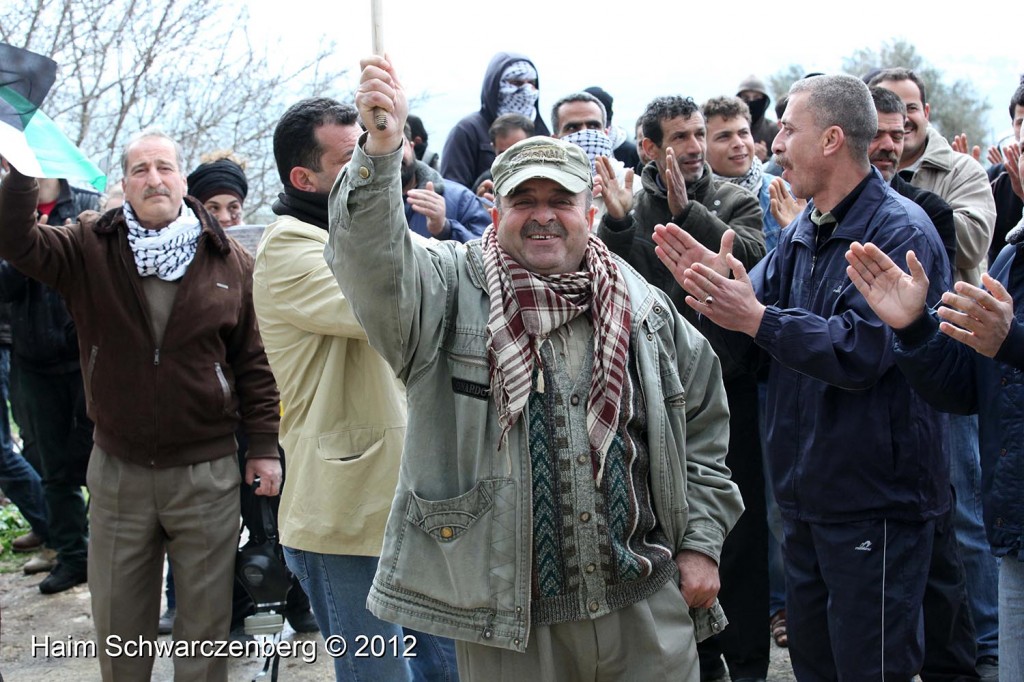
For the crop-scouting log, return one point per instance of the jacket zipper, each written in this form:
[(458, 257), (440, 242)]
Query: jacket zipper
[(225, 389), (89, 370)]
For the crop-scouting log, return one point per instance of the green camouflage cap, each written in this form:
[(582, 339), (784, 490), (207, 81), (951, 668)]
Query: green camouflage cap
[(542, 157)]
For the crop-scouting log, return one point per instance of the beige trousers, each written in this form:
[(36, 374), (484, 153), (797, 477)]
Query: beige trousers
[(651, 640), (134, 513)]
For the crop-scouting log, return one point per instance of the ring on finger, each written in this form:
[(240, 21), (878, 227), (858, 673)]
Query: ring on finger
[(708, 300)]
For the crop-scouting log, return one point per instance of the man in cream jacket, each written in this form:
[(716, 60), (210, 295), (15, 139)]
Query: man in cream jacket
[(344, 416)]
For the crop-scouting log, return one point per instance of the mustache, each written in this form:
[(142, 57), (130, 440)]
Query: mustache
[(156, 191), (553, 228), (885, 156)]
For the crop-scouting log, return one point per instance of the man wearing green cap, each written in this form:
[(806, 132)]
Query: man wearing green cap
[(563, 496)]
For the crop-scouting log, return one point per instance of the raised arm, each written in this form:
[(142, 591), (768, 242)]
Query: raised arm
[(395, 285), (42, 252)]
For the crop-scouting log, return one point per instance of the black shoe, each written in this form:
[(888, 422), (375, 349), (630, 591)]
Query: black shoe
[(302, 621), (62, 578), (988, 669), (713, 671)]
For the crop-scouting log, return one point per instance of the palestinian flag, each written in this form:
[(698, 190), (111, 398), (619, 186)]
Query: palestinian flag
[(29, 140)]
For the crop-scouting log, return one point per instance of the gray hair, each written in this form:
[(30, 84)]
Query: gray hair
[(843, 101), (152, 132)]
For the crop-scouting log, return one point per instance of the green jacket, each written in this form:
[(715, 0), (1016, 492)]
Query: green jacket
[(457, 549), (713, 208)]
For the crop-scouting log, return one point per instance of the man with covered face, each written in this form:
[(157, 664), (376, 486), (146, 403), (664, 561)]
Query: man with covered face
[(510, 86), (752, 90), (581, 118), (562, 416)]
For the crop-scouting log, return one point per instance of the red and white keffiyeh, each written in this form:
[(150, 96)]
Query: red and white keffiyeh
[(526, 308)]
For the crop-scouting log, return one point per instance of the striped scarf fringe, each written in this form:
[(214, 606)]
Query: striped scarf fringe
[(526, 308)]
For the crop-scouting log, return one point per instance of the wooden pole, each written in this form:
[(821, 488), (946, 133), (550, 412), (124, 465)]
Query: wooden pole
[(377, 17)]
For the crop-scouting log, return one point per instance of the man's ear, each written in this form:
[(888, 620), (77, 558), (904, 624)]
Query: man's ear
[(302, 179), (927, 112), (832, 140), (650, 149), (591, 212), (494, 213)]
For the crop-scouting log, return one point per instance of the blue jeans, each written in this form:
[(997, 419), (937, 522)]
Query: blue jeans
[(337, 586), (979, 564), (1011, 616), (18, 479)]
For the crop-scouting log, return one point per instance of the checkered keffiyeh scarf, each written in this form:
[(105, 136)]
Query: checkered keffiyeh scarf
[(594, 142), (165, 253), (750, 181), (526, 308), (518, 99)]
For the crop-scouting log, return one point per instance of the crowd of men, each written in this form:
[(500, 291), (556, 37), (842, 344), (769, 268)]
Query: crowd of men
[(555, 404)]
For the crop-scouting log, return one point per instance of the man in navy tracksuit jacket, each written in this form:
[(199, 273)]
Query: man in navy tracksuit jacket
[(858, 460), (973, 365)]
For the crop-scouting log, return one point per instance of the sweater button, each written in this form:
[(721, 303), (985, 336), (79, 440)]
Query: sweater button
[(585, 517), (364, 172), (591, 568), (583, 459), (575, 400), (594, 606)]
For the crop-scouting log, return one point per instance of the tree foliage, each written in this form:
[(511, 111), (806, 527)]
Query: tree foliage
[(185, 66), (779, 82), (955, 107)]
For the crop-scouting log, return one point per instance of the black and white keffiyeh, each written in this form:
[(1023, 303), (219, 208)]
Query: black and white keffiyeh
[(165, 253), (594, 142), (750, 181), (518, 99)]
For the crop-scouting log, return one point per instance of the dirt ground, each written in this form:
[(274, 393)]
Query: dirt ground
[(26, 614)]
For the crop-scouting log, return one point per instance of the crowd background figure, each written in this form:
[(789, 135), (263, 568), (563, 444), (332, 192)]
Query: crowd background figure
[(722, 174)]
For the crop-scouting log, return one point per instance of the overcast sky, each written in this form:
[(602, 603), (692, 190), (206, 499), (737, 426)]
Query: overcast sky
[(639, 50)]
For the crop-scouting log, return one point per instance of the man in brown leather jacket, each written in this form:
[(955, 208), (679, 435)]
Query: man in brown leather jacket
[(172, 361)]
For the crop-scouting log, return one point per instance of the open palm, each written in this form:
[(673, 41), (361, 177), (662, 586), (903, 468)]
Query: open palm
[(896, 297)]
